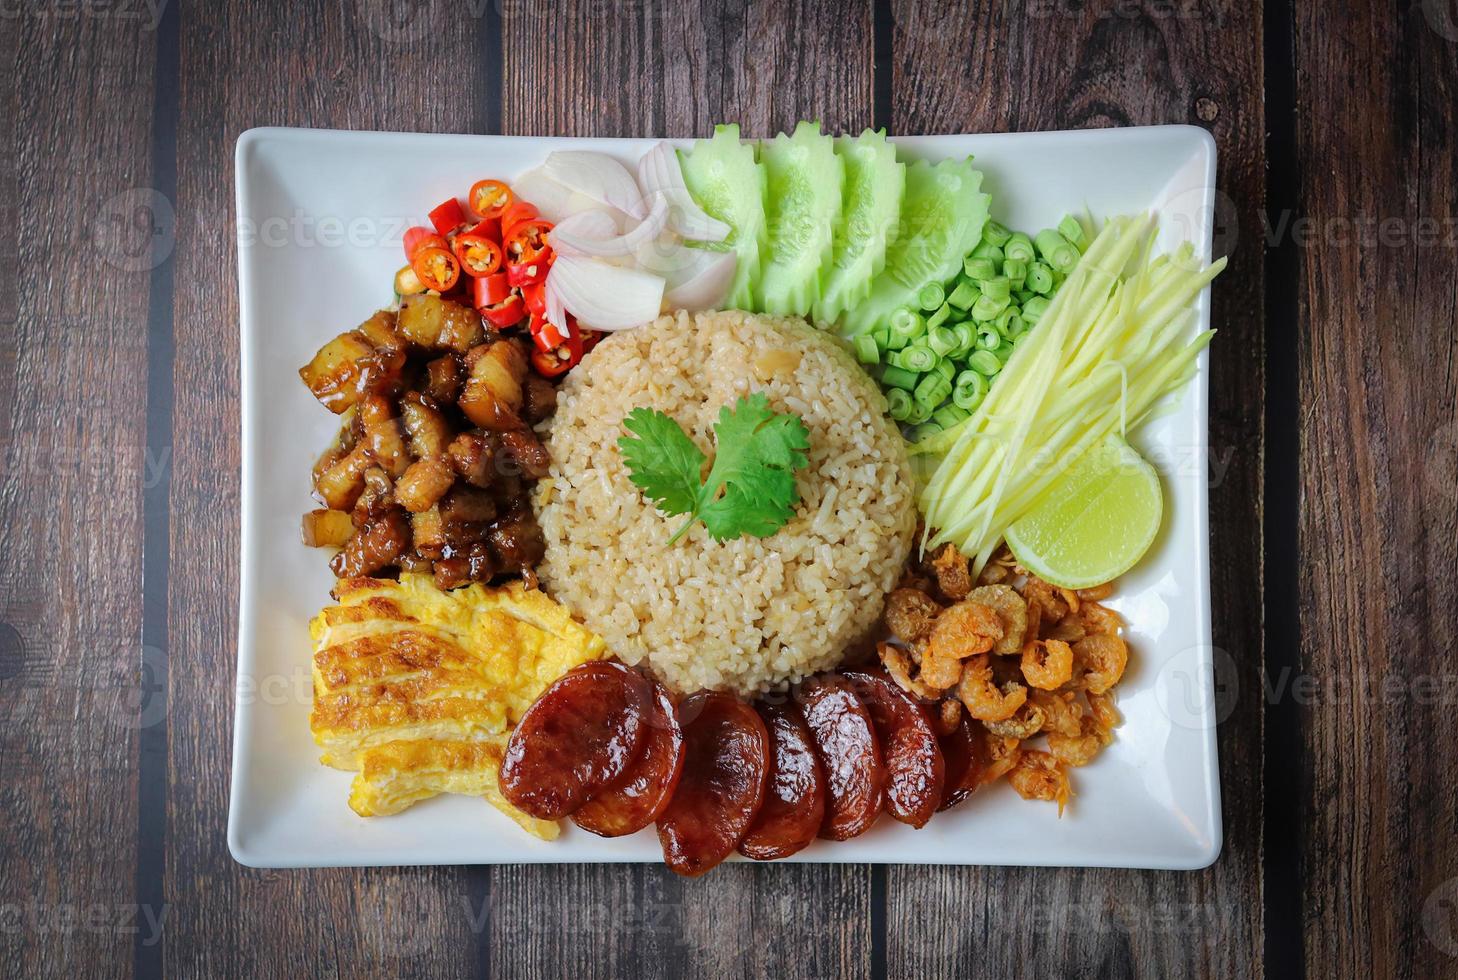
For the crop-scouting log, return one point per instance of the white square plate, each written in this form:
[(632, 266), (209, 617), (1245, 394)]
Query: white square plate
[(320, 218)]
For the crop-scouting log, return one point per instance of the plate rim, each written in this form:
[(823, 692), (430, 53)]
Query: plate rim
[(252, 141)]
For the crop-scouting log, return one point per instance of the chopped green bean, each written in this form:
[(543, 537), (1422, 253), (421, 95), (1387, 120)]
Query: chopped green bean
[(1014, 328), (984, 362), (896, 377), (945, 368), (907, 324), (1020, 247), (1056, 250), (988, 337), (932, 390), (1072, 229), (986, 250), (963, 296), (1003, 352), (1023, 295), (899, 403), (866, 350), (978, 268), (882, 336), (940, 316), (950, 415), (1040, 278), (997, 288), (942, 341), (918, 358), (968, 397), (996, 233), (930, 296), (966, 337), (987, 308), (1034, 309), (919, 413)]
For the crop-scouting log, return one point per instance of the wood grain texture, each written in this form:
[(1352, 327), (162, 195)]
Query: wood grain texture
[(73, 365), (244, 64), (1017, 66), (676, 70), (1379, 476)]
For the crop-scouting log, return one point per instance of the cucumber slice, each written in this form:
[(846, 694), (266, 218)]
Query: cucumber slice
[(803, 178), (724, 178), (870, 206), (943, 213)]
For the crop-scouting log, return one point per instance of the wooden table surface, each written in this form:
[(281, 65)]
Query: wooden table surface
[(1334, 522)]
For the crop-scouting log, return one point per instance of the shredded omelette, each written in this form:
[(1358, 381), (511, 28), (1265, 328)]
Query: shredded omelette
[(417, 689)]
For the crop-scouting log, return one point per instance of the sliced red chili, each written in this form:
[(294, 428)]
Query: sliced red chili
[(479, 256), (447, 216), (488, 198), (490, 227), (436, 268), (490, 290), (550, 364), (535, 296), (515, 214), (545, 334), (528, 255), (506, 313), (420, 237)]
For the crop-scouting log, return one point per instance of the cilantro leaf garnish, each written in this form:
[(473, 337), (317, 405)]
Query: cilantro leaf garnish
[(750, 488)]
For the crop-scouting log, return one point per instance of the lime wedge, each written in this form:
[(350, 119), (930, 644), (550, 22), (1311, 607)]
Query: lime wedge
[(1096, 522)]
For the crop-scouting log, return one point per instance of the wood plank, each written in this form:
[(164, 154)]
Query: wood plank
[(648, 69), (247, 64), (1014, 67), (1379, 482), (73, 363)]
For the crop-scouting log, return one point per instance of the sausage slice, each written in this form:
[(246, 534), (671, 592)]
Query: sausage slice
[(637, 799), (850, 757), (580, 736), (794, 800), (726, 762), (915, 771)]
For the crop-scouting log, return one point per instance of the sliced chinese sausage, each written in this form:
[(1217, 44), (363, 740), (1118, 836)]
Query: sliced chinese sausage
[(636, 799), (850, 757), (794, 798), (915, 771), (725, 765), (965, 751), (580, 736)]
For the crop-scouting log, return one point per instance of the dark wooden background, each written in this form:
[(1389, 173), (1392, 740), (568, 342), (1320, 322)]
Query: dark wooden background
[(1335, 564)]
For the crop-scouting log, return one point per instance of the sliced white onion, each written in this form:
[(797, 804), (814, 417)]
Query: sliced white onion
[(604, 296), (576, 237), (555, 313), (555, 201), (593, 225), (597, 176), (702, 282), (659, 173)]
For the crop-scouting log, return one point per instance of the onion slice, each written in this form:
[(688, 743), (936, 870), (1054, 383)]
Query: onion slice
[(598, 176), (555, 202), (659, 174), (702, 283), (603, 296), (576, 236)]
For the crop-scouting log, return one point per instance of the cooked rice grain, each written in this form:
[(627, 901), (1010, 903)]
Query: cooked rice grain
[(745, 615)]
